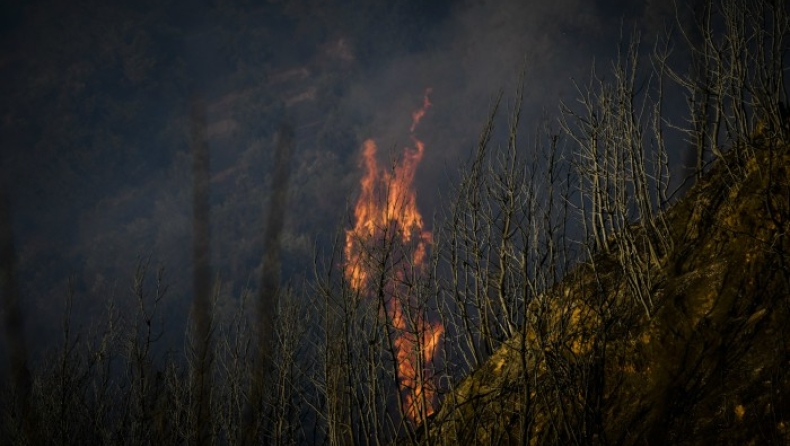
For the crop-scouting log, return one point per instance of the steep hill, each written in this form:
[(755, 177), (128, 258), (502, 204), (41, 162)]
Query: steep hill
[(709, 364)]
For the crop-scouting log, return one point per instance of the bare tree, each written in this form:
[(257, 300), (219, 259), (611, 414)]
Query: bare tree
[(269, 298), (737, 84), (14, 325), (201, 306), (551, 253)]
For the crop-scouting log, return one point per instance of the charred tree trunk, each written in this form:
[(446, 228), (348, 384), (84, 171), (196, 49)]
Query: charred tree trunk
[(270, 279), (14, 322), (201, 305)]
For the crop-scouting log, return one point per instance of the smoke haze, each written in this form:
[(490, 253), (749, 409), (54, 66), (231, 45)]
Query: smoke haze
[(95, 122)]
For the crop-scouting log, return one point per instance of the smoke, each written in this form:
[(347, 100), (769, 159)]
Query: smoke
[(478, 50), (97, 126)]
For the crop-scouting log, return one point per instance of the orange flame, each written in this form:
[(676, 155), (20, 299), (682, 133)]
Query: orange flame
[(415, 347), (387, 201)]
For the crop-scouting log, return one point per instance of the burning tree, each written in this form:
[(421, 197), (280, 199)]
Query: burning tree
[(389, 235)]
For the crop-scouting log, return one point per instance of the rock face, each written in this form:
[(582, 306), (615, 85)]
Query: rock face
[(709, 364)]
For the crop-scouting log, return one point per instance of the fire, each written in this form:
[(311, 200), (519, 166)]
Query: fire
[(415, 347), (387, 202)]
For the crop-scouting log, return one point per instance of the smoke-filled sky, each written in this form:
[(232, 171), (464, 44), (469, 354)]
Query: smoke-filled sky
[(96, 95)]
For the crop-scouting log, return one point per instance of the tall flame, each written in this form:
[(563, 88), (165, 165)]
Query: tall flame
[(387, 201)]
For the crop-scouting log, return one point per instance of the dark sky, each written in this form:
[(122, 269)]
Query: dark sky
[(95, 149)]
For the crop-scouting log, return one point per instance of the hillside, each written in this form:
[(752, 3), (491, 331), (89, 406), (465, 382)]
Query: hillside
[(709, 365)]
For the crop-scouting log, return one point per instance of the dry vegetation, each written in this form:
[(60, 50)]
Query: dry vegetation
[(579, 305)]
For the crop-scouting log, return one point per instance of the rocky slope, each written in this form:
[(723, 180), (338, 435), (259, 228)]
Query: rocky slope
[(710, 364)]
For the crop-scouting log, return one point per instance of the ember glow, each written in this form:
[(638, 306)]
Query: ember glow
[(387, 210)]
